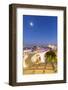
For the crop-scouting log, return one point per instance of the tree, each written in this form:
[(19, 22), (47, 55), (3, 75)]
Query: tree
[(28, 61), (32, 64), (50, 57)]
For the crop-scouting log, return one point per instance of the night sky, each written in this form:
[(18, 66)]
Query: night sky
[(39, 30)]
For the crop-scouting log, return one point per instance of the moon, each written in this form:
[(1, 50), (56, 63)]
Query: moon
[(31, 24)]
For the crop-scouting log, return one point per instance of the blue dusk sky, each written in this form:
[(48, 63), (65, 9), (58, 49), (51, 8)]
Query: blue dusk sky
[(39, 30)]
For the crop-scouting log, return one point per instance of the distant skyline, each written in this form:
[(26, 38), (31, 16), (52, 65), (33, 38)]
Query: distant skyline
[(39, 30)]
